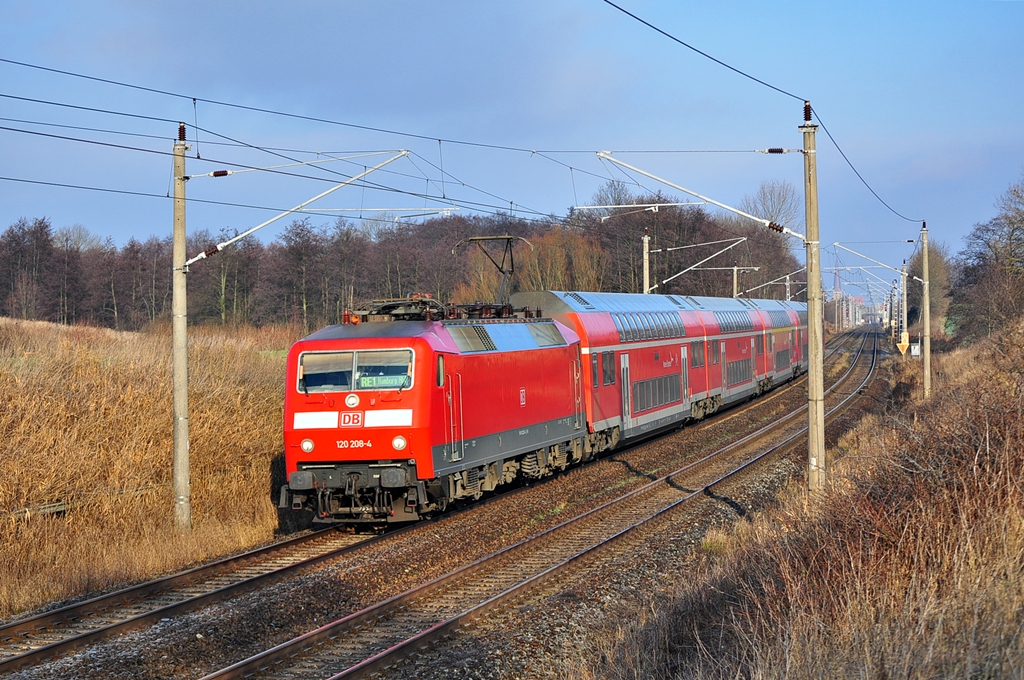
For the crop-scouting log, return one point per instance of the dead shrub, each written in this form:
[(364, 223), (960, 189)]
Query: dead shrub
[(910, 566)]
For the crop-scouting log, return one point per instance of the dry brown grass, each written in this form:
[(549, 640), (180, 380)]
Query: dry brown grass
[(86, 419), (912, 565)]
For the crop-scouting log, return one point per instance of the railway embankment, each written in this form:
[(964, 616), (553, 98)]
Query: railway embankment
[(911, 564)]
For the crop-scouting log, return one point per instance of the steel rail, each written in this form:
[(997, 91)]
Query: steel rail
[(19, 633)]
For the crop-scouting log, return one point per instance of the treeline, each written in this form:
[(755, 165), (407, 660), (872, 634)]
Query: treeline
[(979, 290), (313, 272), (987, 291)]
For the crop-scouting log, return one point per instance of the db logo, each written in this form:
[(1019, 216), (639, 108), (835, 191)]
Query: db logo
[(351, 419), (522, 396)]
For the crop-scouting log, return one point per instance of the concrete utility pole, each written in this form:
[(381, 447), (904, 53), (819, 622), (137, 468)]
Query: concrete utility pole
[(647, 262), (815, 347), (927, 303), (892, 313), (904, 331), (179, 310), (736, 269)]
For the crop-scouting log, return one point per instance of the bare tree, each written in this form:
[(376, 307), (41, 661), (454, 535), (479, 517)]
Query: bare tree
[(69, 242), (78, 237), (775, 200)]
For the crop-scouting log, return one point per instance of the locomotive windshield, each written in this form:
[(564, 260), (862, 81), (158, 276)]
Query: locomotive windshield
[(347, 371)]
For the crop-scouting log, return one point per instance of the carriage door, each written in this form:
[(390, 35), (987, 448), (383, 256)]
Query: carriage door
[(453, 405), (576, 376), (753, 360), (684, 386), (725, 369), (627, 412)]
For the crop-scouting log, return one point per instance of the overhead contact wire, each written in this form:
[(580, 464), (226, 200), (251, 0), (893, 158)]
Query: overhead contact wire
[(702, 53), (863, 181), (770, 86)]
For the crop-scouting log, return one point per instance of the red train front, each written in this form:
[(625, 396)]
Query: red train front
[(419, 405)]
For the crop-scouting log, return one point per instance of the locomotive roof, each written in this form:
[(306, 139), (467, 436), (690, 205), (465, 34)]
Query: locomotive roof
[(553, 302), (494, 334), (393, 329)]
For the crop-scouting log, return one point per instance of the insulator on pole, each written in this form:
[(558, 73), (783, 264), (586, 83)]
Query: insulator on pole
[(776, 149), (807, 112), (775, 227), (181, 132), (220, 173)]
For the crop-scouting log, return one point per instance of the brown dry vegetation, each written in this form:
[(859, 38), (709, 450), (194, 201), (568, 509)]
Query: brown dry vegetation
[(86, 419), (911, 565)]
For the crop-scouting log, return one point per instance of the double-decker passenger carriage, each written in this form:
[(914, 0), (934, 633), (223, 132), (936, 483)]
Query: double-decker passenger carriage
[(658, 360), (411, 405)]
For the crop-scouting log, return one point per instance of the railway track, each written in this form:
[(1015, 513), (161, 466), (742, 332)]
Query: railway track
[(57, 633), (374, 638), (32, 640)]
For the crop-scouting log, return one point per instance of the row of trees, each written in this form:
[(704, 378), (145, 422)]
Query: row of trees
[(313, 272)]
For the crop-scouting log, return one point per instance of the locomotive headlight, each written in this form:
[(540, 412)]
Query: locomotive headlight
[(398, 443), (352, 400), (307, 445)]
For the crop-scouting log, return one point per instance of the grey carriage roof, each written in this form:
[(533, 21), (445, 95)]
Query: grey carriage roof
[(561, 302)]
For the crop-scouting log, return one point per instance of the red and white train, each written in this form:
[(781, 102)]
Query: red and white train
[(411, 406)]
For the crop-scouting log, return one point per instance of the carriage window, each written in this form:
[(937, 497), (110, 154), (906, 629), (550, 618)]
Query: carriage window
[(635, 320), (634, 332), (651, 327), (608, 364), (440, 370), (383, 370), (674, 326), (638, 330), (619, 327), (648, 326), (659, 325), (696, 354), (325, 371), (594, 372)]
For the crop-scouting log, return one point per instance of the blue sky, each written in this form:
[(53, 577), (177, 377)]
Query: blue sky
[(925, 99)]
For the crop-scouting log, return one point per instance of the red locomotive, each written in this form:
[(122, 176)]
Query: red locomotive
[(411, 405)]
